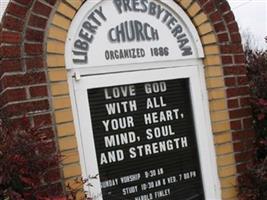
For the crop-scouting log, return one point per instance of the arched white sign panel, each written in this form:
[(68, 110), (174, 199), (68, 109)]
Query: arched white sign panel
[(114, 32)]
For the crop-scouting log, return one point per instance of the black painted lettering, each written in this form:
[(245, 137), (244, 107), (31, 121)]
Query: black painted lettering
[(130, 34), (118, 5), (111, 35), (129, 31), (126, 53), (142, 52), (94, 19), (146, 27), (182, 42), (144, 5), (85, 36), (120, 36), (116, 52), (89, 27), (139, 31), (80, 57), (152, 9), (166, 16), (155, 34), (171, 22), (126, 5), (135, 5), (187, 51), (159, 11), (177, 30), (100, 13), (107, 55), (121, 54), (133, 53), (180, 37), (78, 44), (112, 55)]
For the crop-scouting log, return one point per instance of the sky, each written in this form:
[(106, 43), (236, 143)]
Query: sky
[(251, 16)]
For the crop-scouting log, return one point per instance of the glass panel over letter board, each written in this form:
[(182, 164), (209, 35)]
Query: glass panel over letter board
[(145, 141)]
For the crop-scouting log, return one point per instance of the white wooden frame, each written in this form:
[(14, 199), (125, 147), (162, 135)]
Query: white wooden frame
[(87, 77), (201, 116)]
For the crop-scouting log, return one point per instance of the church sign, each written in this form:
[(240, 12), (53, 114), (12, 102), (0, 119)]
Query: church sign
[(139, 95), (139, 107)]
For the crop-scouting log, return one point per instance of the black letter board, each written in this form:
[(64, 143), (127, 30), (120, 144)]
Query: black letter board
[(145, 141)]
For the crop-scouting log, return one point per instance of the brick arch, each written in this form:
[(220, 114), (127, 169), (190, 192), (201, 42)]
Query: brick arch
[(23, 73), (34, 78)]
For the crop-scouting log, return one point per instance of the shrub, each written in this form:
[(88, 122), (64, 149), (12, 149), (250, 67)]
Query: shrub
[(253, 184), (28, 159), (27, 155)]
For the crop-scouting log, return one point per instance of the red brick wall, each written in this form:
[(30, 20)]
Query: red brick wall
[(235, 78), (24, 88)]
